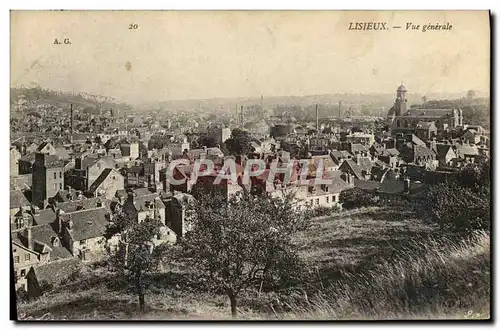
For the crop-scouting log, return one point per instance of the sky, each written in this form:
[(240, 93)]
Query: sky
[(195, 54)]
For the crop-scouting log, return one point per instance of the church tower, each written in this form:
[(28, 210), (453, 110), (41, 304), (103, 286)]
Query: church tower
[(401, 104)]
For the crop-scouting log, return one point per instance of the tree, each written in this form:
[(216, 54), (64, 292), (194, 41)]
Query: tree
[(356, 197), (239, 142), (471, 94), (424, 99), (244, 243), (207, 141), (461, 205), (137, 255)]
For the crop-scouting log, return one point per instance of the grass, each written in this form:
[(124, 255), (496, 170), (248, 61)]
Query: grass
[(371, 263)]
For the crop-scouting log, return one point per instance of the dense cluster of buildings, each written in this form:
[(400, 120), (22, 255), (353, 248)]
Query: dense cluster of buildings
[(68, 184)]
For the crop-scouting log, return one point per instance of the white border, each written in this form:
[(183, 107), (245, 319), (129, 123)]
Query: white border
[(180, 4)]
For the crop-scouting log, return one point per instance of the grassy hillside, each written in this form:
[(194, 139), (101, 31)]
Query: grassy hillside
[(370, 263)]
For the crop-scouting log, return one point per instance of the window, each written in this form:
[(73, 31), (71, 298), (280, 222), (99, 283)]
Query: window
[(16, 259), (60, 186), (60, 175), (23, 272), (327, 199), (55, 186), (317, 201), (27, 257), (23, 286), (55, 175), (82, 242)]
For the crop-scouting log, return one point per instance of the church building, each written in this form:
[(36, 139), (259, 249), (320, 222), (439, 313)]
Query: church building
[(402, 118)]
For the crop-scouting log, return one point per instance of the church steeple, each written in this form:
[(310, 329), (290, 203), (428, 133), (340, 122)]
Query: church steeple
[(401, 103)]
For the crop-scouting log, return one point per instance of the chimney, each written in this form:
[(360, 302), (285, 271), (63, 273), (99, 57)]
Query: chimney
[(317, 119), (130, 197), (71, 119), (29, 238), (406, 185)]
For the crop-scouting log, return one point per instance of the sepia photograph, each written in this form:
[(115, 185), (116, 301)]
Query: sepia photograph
[(241, 165)]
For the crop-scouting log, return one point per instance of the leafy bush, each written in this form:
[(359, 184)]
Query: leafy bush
[(356, 197)]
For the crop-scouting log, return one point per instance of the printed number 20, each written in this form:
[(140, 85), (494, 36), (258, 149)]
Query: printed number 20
[(133, 26)]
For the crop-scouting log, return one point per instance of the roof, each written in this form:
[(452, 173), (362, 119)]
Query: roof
[(402, 88), (464, 150), (366, 184), (430, 113), (54, 272), (422, 151), (354, 167), (44, 217), (83, 204), (88, 223), (63, 196), (425, 125), (43, 145), (357, 147), (104, 174), (442, 149), (45, 234), (52, 161), (17, 199), (141, 201), (365, 164), (29, 158), (338, 184), (390, 152)]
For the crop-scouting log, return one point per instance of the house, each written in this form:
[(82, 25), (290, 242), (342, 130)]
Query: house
[(328, 195), (390, 156), (15, 155), (47, 148), (328, 164), (141, 207), (26, 163), (52, 273), (19, 207), (175, 212), (445, 154), (419, 155), (426, 130), (45, 241), (107, 184), (88, 169), (129, 149), (360, 172), (82, 232), (24, 258), (48, 178)]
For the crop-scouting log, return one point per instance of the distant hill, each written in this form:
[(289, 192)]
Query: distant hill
[(25, 96), (368, 104)]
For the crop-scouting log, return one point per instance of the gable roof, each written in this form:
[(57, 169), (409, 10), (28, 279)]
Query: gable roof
[(17, 199), (54, 272), (83, 204), (103, 176), (45, 236), (356, 169), (423, 151), (88, 223), (45, 216)]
